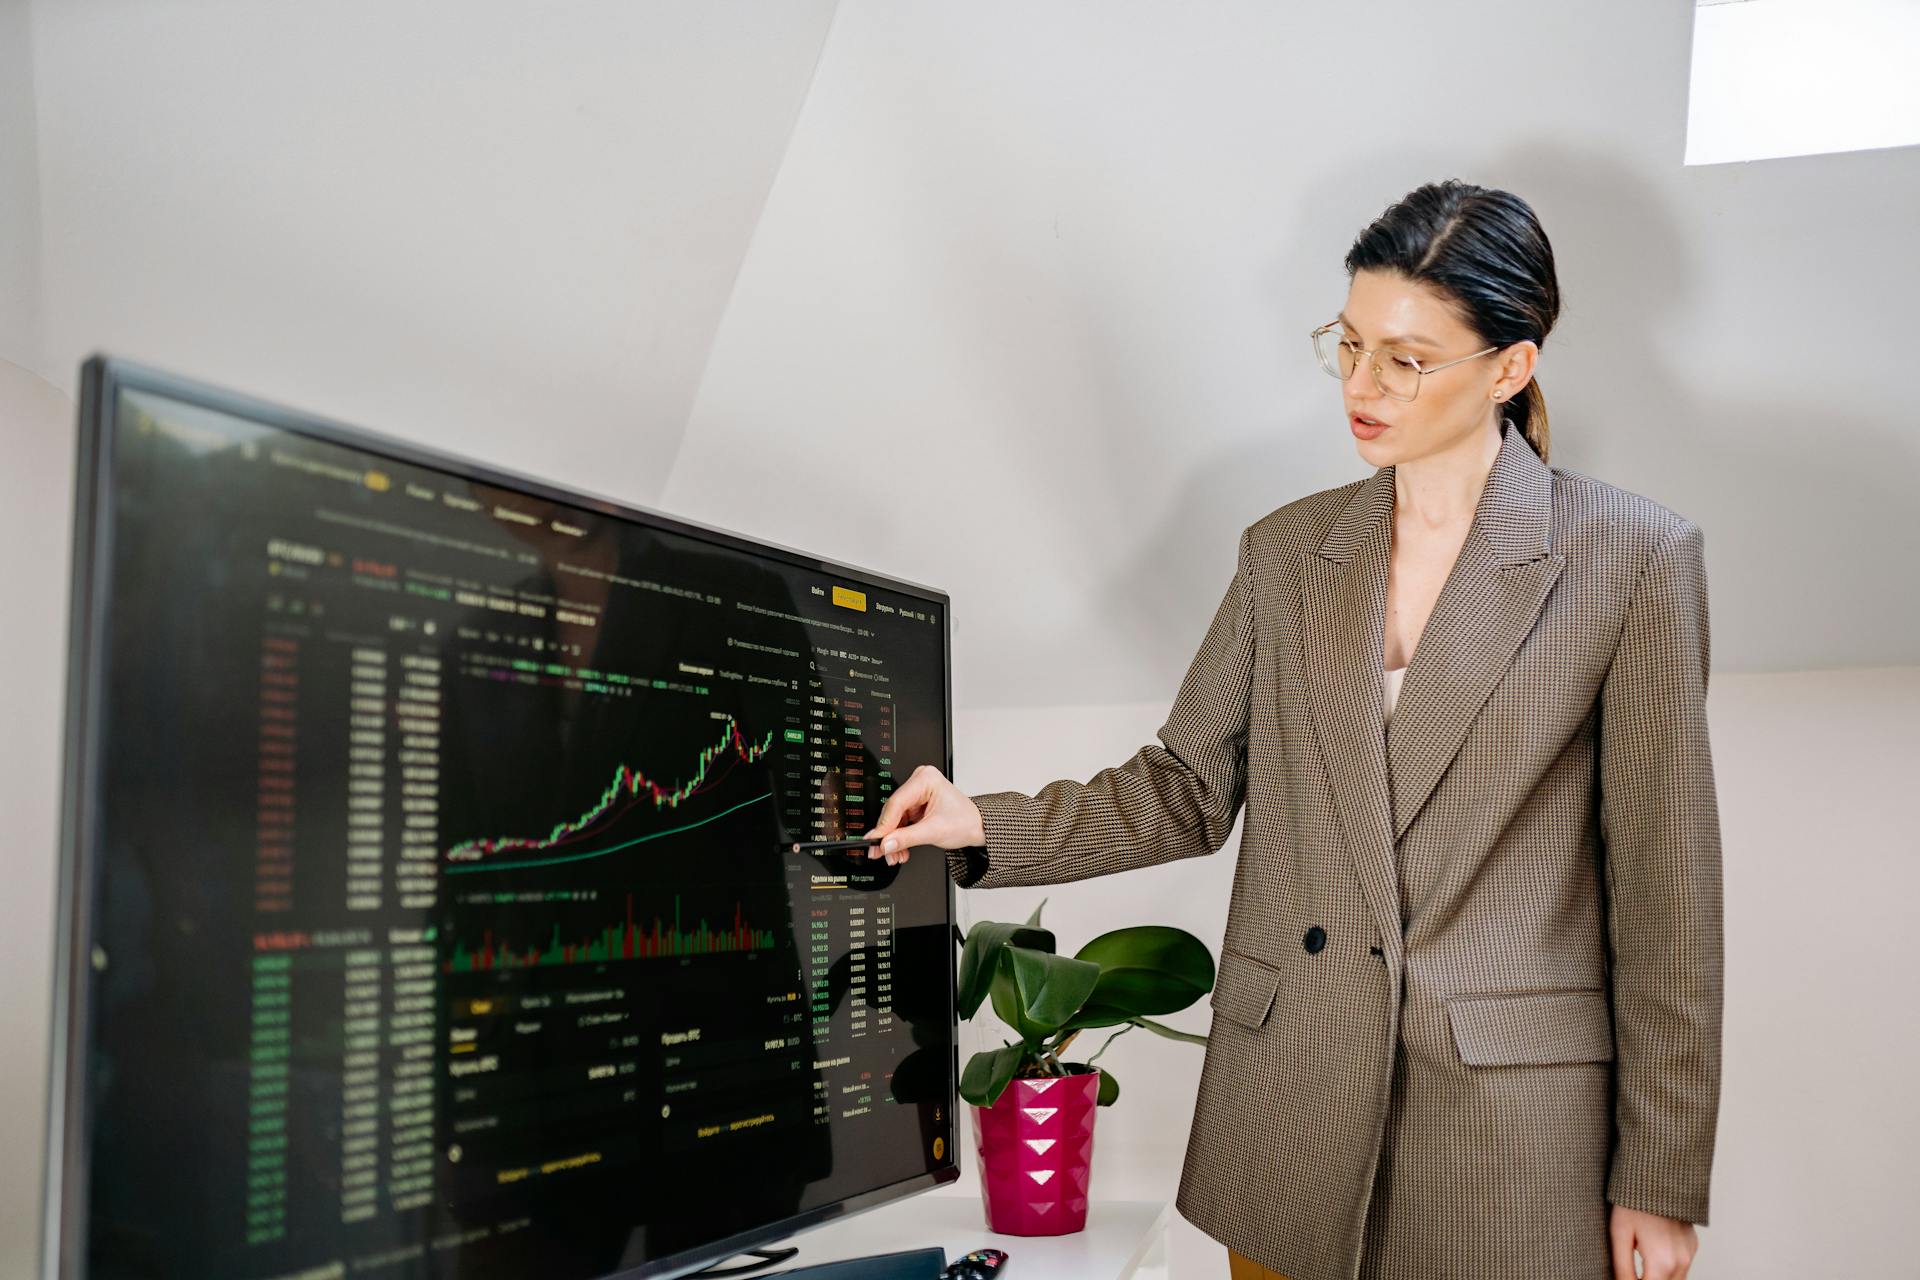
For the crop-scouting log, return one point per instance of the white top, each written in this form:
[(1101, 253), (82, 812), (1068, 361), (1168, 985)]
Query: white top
[(1394, 677)]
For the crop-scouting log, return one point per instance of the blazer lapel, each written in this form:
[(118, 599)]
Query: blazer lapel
[(1343, 608), (1488, 604)]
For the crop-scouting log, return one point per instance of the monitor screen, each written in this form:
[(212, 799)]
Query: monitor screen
[(430, 909)]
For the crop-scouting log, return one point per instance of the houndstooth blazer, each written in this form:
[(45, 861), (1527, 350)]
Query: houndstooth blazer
[(1469, 991)]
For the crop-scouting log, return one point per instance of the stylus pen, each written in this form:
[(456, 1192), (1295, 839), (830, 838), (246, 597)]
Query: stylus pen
[(799, 845)]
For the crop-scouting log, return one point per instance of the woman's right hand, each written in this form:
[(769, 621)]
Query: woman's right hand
[(926, 809)]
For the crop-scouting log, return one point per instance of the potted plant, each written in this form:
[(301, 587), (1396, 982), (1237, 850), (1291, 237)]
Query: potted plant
[(1032, 1111)]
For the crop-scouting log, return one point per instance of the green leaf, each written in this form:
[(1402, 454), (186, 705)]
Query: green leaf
[(989, 1072), (1034, 992), (980, 956), (1097, 1015), (1034, 919), (1149, 969), (1109, 1088)]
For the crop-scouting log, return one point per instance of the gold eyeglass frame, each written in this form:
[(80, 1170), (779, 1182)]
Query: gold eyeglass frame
[(1373, 365)]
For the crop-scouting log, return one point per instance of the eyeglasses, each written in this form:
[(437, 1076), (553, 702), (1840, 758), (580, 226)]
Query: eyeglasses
[(1398, 377)]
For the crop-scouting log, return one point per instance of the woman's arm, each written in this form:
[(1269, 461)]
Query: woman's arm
[(1660, 826), (1177, 798)]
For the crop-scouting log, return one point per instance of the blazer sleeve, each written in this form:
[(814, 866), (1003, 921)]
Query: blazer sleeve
[(1177, 798), (1660, 829)]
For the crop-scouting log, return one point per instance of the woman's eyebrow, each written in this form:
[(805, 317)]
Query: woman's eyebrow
[(1403, 339)]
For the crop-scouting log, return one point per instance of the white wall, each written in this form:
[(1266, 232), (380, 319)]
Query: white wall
[(1013, 299), (1819, 1156), (477, 224), (35, 468), (19, 189), (36, 426)]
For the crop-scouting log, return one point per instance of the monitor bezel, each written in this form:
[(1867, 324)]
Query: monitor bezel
[(69, 1122)]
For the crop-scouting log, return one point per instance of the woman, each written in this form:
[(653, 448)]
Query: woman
[(1468, 1003)]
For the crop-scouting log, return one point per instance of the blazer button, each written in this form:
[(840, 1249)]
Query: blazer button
[(1316, 938)]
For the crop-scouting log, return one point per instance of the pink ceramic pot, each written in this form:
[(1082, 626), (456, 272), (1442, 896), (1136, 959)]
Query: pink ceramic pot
[(1036, 1154)]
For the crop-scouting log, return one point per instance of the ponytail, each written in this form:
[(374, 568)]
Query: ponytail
[(1530, 415)]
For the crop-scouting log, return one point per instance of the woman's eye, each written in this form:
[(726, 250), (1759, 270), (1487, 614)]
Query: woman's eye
[(1406, 362)]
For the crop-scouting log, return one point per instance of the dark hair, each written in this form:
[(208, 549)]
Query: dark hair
[(1484, 250)]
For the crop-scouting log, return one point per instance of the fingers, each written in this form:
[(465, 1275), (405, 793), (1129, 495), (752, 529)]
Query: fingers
[(913, 803), (906, 802), (902, 841), (1666, 1246), (1620, 1231)]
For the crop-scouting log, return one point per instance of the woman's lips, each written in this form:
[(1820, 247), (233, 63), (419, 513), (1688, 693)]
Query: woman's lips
[(1363, 430)]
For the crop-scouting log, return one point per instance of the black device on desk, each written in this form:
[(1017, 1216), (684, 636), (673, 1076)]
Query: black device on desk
[(916, 1264), (429, 899)]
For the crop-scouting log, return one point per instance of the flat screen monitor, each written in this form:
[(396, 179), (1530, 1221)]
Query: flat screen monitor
[(428, 909)]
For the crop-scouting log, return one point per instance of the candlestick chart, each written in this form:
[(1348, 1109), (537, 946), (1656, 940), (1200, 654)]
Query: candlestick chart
[(631, 793)]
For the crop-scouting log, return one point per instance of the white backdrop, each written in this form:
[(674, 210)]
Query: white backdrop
[(1013, 299)]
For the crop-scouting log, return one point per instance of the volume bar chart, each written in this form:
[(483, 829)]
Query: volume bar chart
[(616, 942)]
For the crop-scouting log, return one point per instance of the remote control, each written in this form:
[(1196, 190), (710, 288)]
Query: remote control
[(981, 1264)]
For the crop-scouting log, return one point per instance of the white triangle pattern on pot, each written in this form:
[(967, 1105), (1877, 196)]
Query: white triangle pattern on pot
[(1039, 1115), (1040, 1145), (1041, 1175), (1048, 1206)]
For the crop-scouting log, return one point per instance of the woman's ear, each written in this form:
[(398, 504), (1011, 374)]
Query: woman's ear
[(1516, 369)]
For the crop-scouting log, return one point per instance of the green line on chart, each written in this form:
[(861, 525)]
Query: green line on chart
[(470, 868)]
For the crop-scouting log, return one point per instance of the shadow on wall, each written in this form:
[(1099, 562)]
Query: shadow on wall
[(1785, 510)]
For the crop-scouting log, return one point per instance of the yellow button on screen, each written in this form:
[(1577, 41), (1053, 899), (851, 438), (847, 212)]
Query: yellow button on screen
[(850, 599)]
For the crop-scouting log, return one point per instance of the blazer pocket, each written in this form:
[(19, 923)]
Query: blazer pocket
[(1532, 1027), (1244, 988)]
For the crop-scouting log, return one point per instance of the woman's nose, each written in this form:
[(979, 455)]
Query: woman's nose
[(1360, 383)]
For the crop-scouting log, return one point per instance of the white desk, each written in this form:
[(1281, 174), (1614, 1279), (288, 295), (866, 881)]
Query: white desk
[(1123, 1239)]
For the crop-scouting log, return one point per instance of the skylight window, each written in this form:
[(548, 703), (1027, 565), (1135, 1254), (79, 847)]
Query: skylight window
[(1802, 77)]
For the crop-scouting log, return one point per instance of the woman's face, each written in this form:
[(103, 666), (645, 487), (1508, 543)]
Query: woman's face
[(1394, 316)]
